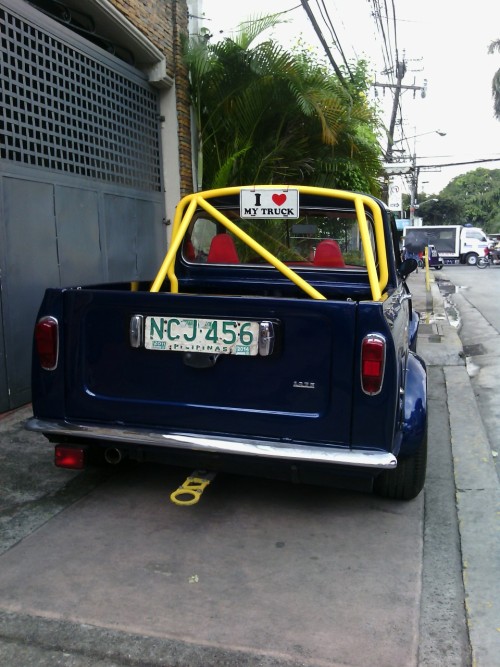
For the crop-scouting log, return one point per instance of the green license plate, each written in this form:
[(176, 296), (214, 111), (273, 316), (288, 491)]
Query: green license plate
[(182, 334)]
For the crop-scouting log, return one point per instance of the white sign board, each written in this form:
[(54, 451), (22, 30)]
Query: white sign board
[(277, 203), (395, 200)]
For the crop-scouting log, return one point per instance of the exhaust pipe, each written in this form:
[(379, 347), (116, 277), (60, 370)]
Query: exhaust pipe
[(113, 456)]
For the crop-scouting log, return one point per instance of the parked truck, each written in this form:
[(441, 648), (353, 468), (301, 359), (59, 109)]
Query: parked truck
[(277, 339), (454, 243)]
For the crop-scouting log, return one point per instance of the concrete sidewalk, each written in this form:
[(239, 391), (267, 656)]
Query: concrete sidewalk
[(476, 480)]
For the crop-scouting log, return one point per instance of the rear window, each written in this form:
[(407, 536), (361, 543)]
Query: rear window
[(318, 239)]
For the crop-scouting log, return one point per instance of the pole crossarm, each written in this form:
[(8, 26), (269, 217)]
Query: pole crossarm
[(398, 86)]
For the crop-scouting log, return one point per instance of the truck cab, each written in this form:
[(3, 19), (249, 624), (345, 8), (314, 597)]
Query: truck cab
[(462, 244)]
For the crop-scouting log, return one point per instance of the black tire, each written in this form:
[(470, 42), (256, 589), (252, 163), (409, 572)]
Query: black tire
[(471, 259), (482, 263), (407, 480)]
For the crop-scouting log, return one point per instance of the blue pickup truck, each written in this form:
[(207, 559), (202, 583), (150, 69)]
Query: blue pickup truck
[(278, 339)]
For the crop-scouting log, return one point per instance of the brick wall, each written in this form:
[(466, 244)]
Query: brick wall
[(164, 22)]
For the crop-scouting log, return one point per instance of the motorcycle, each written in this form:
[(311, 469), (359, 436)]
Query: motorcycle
[(435, 261), (491, 258)]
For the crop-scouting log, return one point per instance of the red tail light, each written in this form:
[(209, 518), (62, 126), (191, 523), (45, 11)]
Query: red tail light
[(70, 457), (372, 363), (47, 342)]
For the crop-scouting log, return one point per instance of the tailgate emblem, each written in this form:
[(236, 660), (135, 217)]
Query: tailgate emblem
[(298, 384)]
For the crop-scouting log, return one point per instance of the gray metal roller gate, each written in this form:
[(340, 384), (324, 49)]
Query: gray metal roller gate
[(80, 176)]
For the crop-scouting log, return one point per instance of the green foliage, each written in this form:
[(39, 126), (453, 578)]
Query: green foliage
[(472, 198), (475, 198), (266, 115)]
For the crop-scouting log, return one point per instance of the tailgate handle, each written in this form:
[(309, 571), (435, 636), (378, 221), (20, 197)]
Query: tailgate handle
[(266, 338)]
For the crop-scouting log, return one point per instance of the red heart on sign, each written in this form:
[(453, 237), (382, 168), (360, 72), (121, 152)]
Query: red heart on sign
[(279, 199)]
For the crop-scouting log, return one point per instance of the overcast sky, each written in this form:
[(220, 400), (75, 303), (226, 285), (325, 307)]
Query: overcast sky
[(443, 41)]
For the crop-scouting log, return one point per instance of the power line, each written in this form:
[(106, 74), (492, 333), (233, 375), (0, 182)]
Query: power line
[(317, 29), (329, 24), (387, 55), (396, 50), (457, 164)]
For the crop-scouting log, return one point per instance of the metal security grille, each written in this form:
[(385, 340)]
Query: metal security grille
[(64, 110)]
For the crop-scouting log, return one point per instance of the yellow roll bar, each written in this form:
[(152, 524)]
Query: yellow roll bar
[(188, 205)]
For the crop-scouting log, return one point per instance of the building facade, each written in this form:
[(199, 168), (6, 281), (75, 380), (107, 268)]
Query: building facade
[(95, 153)]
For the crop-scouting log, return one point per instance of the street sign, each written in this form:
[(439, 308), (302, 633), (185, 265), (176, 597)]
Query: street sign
[(395, 199)]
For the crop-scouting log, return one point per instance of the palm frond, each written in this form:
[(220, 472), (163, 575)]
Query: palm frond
[(266, 114)]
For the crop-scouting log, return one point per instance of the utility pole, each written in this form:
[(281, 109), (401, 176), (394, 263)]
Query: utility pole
[(398, 87), (413, 188), (400, 72)]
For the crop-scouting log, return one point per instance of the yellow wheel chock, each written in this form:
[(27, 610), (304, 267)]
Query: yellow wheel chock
[(189, 492)]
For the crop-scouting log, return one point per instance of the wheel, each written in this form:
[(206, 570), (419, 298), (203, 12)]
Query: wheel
[(438, 267), (471, 259), (482, 263), (407, 480)]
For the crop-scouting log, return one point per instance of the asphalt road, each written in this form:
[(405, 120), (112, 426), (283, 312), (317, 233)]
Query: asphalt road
[(101, 569)]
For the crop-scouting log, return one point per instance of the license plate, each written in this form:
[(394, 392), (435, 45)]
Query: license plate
[(182, 334)]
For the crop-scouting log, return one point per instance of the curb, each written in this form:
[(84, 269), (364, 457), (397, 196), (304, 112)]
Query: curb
[(477, 489)]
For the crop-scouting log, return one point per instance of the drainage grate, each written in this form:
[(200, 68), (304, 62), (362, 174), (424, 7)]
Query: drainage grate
[(474, 350)]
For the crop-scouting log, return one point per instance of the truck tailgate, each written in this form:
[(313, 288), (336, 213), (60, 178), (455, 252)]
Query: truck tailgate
[(301, 391)]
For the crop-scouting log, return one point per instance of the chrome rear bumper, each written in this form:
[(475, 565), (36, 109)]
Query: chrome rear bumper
[(330, 455)]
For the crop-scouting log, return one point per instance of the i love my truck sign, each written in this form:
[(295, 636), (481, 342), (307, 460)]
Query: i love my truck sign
[(270, 203)]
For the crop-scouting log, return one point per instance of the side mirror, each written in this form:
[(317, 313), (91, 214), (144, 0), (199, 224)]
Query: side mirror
[(407, 266)]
